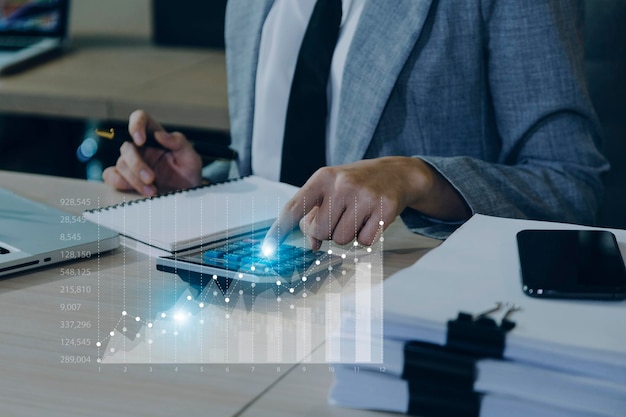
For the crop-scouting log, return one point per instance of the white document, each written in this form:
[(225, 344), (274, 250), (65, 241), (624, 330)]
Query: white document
[(476, 267)]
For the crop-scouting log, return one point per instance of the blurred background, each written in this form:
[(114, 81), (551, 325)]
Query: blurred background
[(47, 139)]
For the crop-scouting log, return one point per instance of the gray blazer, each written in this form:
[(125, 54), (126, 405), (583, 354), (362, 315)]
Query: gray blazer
[(491, 93)]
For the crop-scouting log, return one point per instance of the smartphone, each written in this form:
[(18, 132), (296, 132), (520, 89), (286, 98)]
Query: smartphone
[(575, 264)]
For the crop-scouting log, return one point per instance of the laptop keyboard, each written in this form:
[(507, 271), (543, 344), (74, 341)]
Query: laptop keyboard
[(16, 43)]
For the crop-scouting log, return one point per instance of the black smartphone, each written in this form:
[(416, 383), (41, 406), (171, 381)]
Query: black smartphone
[(579, 264)]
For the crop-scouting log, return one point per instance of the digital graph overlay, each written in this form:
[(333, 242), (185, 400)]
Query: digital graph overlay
[(145, 316), (249, 323)]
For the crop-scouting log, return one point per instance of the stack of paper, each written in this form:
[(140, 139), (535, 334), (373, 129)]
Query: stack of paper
[(562, 358)]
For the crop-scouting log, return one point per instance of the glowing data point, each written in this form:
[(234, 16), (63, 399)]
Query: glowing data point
[(343, 256), (240, 292), (227, 300), (112, 333), (112, 350), (278, 299), (278, 283), (240, 275), (382, 239), (175, 332), (369, 250), (304, 279), (214, 293), (252, 268), (137, 334), (163, 315), (201, 305), (318, 279), (124, 313), (291, 290), (98, 344), (382, 223), (355, 243), (356, 260), (304, 295), (150, 325), (124, 329), (291, 306), (214, 276), (330, 268), (137, 318), (150, 341), (269, 248), (202, 321), (227, 316), (330, 251), (189, 298), (253, 285)]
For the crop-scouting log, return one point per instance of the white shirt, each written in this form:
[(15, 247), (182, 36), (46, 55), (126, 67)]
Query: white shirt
[(281, 37)]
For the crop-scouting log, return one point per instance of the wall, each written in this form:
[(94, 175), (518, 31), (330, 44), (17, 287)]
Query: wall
[(605, 43), (121, 17)]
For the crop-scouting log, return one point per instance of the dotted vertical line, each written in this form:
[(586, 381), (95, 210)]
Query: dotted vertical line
[(98, 286), (243, 295), (227, 353), (201, 280), (330, 236), (381, 286), (228, 243), (164, 298), (252, 286), (330, 219), (175, 280), (356, 235), (278, 229), (277, 324), (356, 230), (278, 329), (148, 331), (301, 281), (306, 227), (124, 272)]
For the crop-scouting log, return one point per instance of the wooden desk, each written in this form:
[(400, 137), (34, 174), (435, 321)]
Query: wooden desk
[(107, 77), (35, 337), (35, 382)]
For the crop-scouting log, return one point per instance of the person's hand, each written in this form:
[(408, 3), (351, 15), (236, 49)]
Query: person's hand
[(149, 170), (359, 200)]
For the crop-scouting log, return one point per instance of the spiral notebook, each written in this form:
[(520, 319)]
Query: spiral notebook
[(186, 220)]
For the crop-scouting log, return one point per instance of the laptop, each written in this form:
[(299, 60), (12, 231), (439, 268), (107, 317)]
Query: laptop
[(34, 235), (31, 30)]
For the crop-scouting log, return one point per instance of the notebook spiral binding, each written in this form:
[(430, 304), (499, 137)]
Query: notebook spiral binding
[(159, 196)]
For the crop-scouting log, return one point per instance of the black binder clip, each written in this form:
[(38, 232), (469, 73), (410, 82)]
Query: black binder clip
[(480, 334)]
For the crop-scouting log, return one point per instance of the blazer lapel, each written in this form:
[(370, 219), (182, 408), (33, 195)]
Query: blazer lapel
[(388, 30), (246, 24)]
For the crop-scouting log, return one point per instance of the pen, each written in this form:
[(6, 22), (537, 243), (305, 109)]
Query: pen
[(205, 149)]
